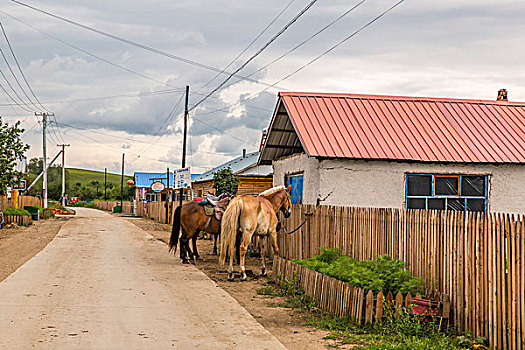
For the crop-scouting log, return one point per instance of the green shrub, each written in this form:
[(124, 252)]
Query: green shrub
[(16, 212), (47, 213), (382, 274)]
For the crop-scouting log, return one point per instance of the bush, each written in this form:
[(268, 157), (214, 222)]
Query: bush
[(382, 274), (47, 213), (16, 212)]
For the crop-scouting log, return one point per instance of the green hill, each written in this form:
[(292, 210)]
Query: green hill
[(84, 177)]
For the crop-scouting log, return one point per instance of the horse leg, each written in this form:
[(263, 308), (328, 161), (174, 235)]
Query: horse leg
[(273, 237), (191, 257), (182, 243), (195, 252), (262, 242), (238, 240), (215, 239), (245, 242), (231, 253)]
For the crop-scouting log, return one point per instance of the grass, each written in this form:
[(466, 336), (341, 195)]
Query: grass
[(399, 331), (85, 177)]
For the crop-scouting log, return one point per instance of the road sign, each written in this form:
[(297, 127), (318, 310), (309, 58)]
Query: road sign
[(20, 186), (157, 186), (182, 178)]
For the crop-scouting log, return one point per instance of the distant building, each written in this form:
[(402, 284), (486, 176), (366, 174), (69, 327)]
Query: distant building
[(253, 178), (148, 186), (399, 152)]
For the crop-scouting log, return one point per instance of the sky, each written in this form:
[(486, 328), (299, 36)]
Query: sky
[(110, 97)]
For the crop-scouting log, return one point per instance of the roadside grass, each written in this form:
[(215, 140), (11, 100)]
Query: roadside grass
[(399, 329)]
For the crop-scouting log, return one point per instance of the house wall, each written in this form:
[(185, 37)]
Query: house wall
[(361, 183), (299, 163), (248, 185)]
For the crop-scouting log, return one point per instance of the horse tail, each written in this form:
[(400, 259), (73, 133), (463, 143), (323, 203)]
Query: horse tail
[(175, 230), (229, 228)]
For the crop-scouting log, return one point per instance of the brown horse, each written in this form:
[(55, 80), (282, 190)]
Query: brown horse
[(192, 218), (253, 215)]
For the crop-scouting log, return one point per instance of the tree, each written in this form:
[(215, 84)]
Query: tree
[(12, 149), (225, 181), (35, 166)]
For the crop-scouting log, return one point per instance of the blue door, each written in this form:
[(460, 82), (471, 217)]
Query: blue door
[(297, 187)]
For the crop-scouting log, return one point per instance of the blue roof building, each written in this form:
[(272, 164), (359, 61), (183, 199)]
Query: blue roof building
[(253, 178)]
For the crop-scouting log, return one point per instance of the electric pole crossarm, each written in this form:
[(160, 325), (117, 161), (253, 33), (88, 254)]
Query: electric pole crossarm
[(42, 173)]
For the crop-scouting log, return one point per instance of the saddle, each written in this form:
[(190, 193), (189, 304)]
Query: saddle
[(214, 205)]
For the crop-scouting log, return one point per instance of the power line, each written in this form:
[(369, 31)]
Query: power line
[(16, 80), (324, 53), (306, 40), (120, 150), (142, 46), (224, 132), (250, 44), (20, 69), (268, 43), (136, 94), (167, 121), (11, 97), (101, 59), (16, 93), (340, 42)]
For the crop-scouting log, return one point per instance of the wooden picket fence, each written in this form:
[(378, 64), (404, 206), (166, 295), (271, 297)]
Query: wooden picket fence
[(156, 211), (127, 206), (477, 259), (341, 299), (23, 220), (22, 201)]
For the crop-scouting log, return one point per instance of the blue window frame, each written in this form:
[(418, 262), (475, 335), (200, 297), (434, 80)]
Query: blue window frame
[(446, 192), (297, 187)]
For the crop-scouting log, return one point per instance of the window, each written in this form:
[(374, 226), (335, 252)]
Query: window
[(446, 192), (296, 193)]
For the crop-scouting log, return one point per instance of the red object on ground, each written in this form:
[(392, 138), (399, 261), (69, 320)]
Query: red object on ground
[(408, 128), (425, 307)]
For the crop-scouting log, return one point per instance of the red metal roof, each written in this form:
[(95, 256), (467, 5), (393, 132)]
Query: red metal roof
[(408, 128)]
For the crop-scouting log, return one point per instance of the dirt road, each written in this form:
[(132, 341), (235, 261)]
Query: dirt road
[(103, 283)]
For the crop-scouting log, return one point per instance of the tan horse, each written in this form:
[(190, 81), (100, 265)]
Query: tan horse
[(253, 215)]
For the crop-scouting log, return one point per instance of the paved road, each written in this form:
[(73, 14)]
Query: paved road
[(103, 283)]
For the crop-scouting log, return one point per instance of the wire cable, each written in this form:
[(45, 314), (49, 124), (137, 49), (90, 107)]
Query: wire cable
[(250, 44), (20, 69), (340, 42), (323, 54), (17, 81), (268, 43), (102, 59), (12, 99), (16, 93), (141, 46), (306, 40)]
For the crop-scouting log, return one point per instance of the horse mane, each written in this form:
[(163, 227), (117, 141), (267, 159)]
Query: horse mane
[(271, 191)]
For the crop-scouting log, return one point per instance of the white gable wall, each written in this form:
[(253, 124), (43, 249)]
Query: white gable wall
[(360, 183)]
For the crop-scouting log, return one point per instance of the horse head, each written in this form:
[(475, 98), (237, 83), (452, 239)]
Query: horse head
[(286, 204)]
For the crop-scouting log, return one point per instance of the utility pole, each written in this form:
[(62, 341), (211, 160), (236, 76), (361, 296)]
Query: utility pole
[(64, 174), (167, 195), (184, 138), (44, 116), (122, 182), (105, 182)]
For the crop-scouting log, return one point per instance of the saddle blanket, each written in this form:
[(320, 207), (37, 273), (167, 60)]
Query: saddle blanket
[(208, 210)]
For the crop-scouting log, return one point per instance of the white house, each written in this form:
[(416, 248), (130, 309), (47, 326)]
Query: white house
[(399, 152)]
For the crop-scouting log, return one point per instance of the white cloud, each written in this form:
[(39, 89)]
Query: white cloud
[(426, 48)]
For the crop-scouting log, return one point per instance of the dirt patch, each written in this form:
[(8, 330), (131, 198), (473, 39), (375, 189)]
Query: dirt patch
[(19, 244), (284, 323)]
